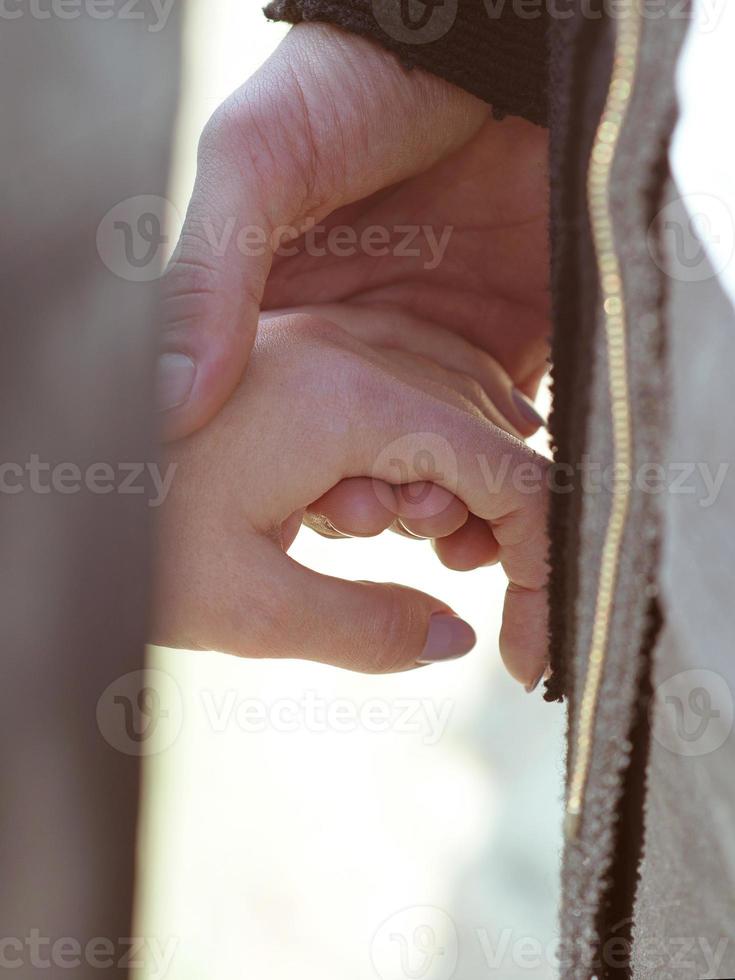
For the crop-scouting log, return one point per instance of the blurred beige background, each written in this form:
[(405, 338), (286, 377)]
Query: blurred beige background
[(404, 828)]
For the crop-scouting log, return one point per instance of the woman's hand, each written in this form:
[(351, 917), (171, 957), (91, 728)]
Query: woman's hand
[(362, 507), (319, 406)]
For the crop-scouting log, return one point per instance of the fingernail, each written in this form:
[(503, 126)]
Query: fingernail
[(174, 380), (530, 688), (449, 638), (527, 409)]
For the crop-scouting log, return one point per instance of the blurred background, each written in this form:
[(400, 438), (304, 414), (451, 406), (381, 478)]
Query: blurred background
[(312, 823)]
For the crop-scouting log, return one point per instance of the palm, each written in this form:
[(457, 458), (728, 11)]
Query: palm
[(491, 284)]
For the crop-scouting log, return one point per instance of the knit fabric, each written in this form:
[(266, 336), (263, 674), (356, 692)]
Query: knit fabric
[(488, 49)]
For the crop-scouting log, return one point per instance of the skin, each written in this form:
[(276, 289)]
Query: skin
[(333, 131), (243, 483), (356, 507)]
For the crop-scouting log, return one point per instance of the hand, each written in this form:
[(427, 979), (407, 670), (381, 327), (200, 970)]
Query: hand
[(362, 507), (243, 483), (333, 130)]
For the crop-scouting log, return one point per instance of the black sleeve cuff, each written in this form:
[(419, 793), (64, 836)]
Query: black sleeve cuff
[(495, 49)]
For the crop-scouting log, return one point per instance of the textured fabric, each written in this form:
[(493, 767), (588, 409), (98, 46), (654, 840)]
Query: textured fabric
[(686, 905), (490, 50), (581, 55), (86, 119), (638, 183)]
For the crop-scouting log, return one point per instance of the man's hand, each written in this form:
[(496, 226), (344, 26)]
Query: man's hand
[(333, 131)]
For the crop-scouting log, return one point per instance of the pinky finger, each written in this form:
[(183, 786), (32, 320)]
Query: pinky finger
[(472, 546)]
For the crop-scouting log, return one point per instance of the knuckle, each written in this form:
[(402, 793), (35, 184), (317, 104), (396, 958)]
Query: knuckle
[(190, 283), (269, 622), (223, 128), (396, 647), (472, 389), (193, 263)]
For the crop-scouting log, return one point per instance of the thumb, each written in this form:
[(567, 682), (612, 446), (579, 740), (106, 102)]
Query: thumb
[(365, 626), (213, 287), (300, 139)]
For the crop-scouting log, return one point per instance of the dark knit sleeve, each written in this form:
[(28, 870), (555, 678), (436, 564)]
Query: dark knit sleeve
[(495, 49)]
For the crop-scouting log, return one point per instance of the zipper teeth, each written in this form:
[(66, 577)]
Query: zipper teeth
[(604, 148)]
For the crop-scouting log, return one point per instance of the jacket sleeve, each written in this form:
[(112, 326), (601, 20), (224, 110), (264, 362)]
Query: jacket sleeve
[(495, 49)]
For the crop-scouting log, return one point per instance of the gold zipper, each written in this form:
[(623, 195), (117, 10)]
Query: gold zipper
[(607, 138)]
